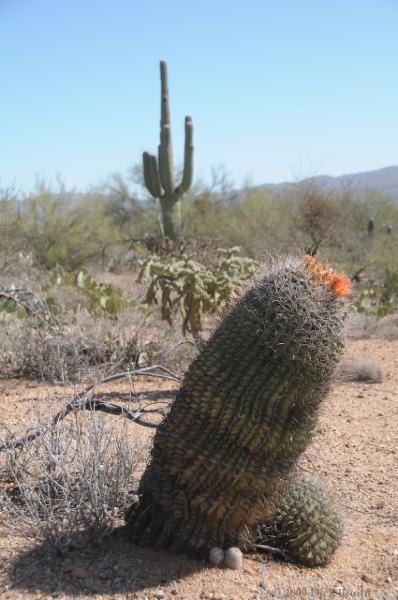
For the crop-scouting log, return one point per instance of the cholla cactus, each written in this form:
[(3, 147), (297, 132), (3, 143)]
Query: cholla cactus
[(244, 413), (189, 287)]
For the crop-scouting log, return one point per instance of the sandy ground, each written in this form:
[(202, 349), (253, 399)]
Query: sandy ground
[(355, 450)]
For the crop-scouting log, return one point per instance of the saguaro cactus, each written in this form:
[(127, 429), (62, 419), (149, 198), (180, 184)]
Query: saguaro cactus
[(244, 413), (159, 173)]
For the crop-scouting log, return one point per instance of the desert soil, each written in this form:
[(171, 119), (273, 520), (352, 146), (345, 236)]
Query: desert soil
[(355, 450)]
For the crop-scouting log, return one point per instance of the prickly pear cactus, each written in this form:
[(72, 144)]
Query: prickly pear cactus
[(306, 523), (244, 413)]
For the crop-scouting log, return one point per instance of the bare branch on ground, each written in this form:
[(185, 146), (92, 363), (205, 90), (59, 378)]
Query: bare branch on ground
[(81, 402)]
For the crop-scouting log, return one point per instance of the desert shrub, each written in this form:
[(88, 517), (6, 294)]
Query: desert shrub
[(380, 297), (361, 370), (62, 228), (8, 226), (66, 354), (133, 213), (257, 224), (75, 476), (360, 326), (364, 326), (98, 298), (364, 254), (313, 216), (80, 287), (386, 327)]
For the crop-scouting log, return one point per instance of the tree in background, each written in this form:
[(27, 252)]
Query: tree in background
[(9, 212), (62, 228), (311, 214), (135, 218), (359, 251)]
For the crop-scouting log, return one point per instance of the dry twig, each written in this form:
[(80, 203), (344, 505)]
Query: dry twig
[(81, 402)]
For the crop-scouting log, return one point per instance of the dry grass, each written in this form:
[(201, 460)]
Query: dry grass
[(76, 476), (361, 326), (361, 370), (83, 346)]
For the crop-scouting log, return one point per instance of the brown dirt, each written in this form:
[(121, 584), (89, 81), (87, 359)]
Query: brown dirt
[(355, 450)]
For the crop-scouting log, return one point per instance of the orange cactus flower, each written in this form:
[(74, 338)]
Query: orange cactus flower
[(339, 283)]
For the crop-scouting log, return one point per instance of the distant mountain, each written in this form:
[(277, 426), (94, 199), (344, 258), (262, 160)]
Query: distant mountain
[(383, 180)]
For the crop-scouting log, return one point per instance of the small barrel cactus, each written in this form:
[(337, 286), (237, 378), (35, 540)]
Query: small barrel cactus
[(244, 413), (306, 523)]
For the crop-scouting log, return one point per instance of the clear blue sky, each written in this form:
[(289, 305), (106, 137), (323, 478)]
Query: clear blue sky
[(277, 88)]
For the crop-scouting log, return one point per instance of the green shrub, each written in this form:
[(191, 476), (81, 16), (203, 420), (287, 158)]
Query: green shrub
[(380, 298)]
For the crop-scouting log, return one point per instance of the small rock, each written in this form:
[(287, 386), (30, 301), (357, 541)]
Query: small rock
[(219, 596), (233, 558), (366, 578), (159, 595), (338, 589), (395, 553), (216, 556), (78, 573)]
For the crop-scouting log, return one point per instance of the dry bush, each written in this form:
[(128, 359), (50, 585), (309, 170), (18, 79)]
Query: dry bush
[(360, 326), (77, 476), (387, 327), (75, 350), (361, 370)]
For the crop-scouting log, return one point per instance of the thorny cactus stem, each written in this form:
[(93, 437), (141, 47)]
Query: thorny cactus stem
[(244, 413), (159, 174), (306, 523)]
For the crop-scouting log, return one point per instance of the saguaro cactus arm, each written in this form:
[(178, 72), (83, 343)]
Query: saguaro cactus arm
[(151, 175), (187, 174)]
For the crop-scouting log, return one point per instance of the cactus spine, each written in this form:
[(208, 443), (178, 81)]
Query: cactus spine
[(159, 173), (244, 413)]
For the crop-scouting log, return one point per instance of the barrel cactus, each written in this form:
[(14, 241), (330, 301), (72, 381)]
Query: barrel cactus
[(306, 523), (244, 413)]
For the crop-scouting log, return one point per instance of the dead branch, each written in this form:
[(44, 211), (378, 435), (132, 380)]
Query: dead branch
[(81, 402), (269, 550)]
